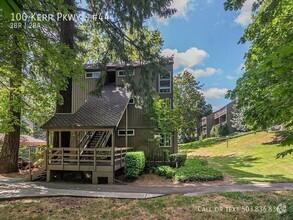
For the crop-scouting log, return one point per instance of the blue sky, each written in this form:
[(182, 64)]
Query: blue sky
[(203, 38)]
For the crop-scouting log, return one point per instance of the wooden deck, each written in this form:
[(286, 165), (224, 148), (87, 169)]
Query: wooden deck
[(103, 162)]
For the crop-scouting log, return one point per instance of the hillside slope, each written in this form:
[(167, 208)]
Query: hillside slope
[(248, 159)]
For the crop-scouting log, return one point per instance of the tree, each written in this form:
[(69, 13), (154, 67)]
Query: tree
[(190, 105), (34, 66), (41, 62), (265, 89), (237, 120)]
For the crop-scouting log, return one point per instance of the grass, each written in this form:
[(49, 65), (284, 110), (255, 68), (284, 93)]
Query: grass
[(213, 206), (248, 159)]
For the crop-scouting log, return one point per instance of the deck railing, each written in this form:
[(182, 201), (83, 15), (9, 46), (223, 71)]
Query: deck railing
[(86, 157)]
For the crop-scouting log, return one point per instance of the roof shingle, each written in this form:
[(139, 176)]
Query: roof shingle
[(98, 111)]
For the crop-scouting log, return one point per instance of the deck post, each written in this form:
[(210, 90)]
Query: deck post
[(78, 158), (62, 158), (95, 158), (126, 127), (48, 176), (59, 138), (112, 150)]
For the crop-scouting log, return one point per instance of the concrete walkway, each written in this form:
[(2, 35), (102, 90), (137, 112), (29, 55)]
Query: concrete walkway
[(13, 188)]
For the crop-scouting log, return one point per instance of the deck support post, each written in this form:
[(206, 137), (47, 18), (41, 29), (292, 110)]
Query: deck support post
[(48, 176), (126, 127)]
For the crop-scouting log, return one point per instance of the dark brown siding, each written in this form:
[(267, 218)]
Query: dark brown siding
[(141, 141), (80, 91), (136, 117)]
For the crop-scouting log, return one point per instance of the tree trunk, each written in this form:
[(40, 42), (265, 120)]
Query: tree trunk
[(66, 37), (10, 148)]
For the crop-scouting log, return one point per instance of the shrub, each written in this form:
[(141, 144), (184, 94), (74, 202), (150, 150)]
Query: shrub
[(166, 171), (166, 155), (215, 131), (223, 130), (196, 170), (219, 130), (134, 164), (178, 160)]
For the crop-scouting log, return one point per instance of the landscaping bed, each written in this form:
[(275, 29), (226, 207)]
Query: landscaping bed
[(192, 170)]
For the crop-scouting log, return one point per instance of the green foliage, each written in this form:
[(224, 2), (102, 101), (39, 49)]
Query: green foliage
[(237, 120), (197, 170), (165, 171), (178, 159), (161, 115), (189, 106), (265, 89), (134, 164), (166, 155), (219, 130)]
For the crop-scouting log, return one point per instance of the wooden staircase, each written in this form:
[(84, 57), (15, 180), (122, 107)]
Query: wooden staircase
[(98, 139)]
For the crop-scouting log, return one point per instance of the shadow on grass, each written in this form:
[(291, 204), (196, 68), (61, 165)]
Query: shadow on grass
[(188, 147), (231, 165)]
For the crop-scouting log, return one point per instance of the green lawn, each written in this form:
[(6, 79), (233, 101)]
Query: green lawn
[(248, 159), (250, 205)]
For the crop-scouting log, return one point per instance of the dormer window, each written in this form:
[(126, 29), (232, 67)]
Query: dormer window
[(165, 83), (93, 75)]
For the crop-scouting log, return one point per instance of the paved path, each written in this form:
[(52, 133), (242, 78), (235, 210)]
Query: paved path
[(14, 188)]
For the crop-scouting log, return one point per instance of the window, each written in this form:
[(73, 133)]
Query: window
[(122, 73), (165, 83), (165, 140), (130, 132), (91, 75), (131, 101)]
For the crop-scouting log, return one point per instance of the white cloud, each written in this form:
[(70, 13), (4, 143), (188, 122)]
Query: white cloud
[(187, 59), (203, 72), (215, 93), (182, 8), (240, 69), (230, 77), (210, 1), (244, 17)]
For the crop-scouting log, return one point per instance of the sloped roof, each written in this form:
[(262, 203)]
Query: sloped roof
[(26, 140), (98, 111)]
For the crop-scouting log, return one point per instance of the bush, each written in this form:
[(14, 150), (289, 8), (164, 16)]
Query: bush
[(166, 171), (134, 164), (178, 160), (215, 131), (166, 155), (219, 130), (196, 170)]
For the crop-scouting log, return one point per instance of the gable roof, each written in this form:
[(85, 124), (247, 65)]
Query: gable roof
[(103, 111)]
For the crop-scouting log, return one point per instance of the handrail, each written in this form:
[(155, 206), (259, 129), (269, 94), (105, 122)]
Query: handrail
[(94, 157)]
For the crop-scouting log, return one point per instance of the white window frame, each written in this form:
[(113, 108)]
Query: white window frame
[(95, 75), (164, 87), (124, 73), (128, 130), (121, 71), (164, 137)]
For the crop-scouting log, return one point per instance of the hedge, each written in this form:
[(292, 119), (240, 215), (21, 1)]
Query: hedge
[(134, 164), (165, 171), (177, 160), (197, 170)]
